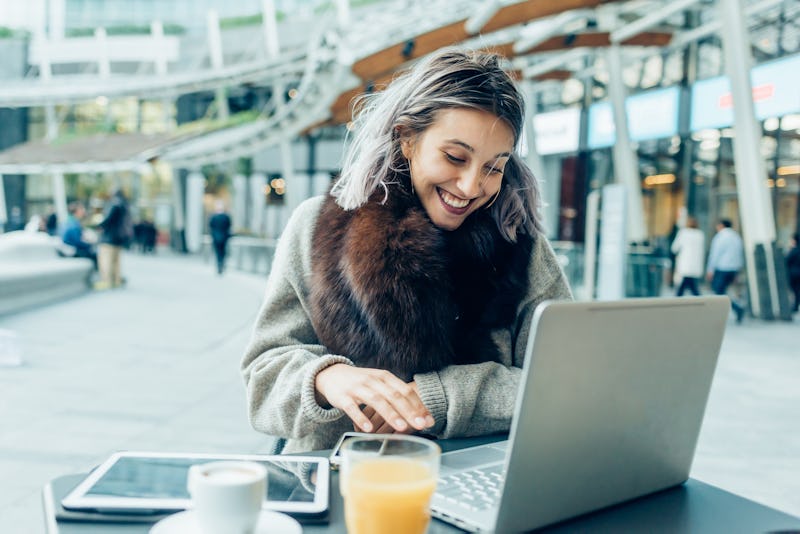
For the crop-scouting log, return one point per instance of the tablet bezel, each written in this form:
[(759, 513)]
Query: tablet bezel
[(77, 499)]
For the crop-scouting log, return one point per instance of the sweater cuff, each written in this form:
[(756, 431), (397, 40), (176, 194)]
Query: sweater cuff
[(431, 392), (308, 395)]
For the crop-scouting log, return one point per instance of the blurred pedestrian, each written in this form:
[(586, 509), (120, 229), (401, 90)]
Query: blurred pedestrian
[(689, 248), (725, 260), (73, 233), (220, 228), (117, 233), (793, 269), (149, 235), (51, 222), (35, 224)]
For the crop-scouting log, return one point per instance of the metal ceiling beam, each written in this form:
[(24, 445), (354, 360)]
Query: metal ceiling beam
[(483, 15), (552, 63), (542, 30), (650, 20)]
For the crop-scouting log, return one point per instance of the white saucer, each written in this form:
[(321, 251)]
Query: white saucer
[(268, 523)]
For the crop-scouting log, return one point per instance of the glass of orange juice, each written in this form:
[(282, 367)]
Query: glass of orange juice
[(387, 481)]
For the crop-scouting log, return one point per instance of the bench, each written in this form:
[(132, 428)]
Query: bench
[(33, 274), (245, 253)]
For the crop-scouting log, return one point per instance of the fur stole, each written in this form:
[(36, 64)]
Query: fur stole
[(392, 291)]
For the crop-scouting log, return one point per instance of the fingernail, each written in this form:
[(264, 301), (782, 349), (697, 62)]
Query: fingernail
[(420, 421), (399, 424), (367, 427)]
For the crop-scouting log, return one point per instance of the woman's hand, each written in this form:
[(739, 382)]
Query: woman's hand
[(392, 403)]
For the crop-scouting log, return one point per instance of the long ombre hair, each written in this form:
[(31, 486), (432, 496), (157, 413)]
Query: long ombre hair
[(447, 79)]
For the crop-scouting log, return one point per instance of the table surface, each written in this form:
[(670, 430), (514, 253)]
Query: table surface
[(691, 507)]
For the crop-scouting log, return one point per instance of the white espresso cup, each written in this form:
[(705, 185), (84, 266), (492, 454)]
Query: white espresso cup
[(227, 496)]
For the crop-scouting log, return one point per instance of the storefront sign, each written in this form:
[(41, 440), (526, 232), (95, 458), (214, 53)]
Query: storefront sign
[(651, 115), (558, 131), (775, 93)]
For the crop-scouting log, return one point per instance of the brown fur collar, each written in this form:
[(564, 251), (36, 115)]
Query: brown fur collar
[(392, 291)]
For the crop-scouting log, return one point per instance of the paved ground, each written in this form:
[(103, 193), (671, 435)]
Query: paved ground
[(155, 366)]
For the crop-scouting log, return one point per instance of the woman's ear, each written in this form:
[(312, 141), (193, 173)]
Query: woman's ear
[(406, 142)]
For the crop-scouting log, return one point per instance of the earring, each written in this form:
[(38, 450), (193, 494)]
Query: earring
[(411, 177), (494, 198)]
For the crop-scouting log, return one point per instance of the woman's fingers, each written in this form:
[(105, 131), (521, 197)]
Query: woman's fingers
[(350, 407), (392, 401)]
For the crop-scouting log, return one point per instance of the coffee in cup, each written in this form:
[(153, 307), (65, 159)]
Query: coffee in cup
[(227, 496)]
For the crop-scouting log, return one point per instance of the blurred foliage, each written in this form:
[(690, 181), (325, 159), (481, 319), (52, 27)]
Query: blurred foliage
[(244, 166), (126, 29), (247, 20), (216, 179), (324, 7), (85, 131), (210, 124), (9, 33)]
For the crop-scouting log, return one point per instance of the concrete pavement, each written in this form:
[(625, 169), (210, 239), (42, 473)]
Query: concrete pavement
[(154, 366)]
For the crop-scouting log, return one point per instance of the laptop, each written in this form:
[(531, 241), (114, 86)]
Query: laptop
[(609, 408)]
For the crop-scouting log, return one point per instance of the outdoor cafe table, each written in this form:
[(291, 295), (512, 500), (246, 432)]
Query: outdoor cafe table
[(694, 507)]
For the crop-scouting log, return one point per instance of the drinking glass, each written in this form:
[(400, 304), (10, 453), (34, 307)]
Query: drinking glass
[(387, 481)]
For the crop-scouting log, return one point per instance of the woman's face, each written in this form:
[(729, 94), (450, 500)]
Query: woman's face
[(457, 163)]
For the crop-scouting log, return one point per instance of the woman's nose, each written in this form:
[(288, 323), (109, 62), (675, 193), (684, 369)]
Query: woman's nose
[(471, 183)]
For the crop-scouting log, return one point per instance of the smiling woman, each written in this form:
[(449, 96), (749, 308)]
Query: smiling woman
[(459, 162), (401, 301)]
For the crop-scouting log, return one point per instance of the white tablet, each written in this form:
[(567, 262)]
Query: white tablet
[(155, 482)]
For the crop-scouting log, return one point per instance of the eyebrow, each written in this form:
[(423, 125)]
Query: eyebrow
[(472, 150)]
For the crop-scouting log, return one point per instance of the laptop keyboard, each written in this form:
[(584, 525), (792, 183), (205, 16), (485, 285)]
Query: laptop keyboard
[(476, 489)]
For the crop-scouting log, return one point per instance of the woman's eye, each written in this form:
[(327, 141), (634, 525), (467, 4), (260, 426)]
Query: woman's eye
[(453, 158), (494, 170)]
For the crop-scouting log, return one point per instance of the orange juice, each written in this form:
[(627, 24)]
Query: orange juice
[(388, 496)]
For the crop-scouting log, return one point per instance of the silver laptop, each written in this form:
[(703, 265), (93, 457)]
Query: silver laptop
[(609, 408)]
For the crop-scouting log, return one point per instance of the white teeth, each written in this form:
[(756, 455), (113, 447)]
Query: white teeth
[(455, 202)]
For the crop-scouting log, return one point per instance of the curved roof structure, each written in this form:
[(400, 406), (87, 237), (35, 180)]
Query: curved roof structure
[(547, 39)]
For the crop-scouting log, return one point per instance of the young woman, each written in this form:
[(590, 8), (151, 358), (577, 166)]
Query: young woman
[(401, 302)]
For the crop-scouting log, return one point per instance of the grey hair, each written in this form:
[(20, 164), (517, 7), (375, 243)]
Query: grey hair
[(448, 79)]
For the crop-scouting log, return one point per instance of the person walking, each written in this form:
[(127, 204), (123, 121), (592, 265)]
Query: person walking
[(117, 233), (220, 227), (689, 249), (725, 260), (793, 270)]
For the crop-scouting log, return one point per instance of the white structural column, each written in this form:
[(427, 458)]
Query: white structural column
[(590, 247), (257, 183), (57, 18), (59, 197), (626, 168), (322, 182), (46, 75), (195, 187), (215, 53), (239, 208), (343, 13), (547, 187), (177, 206), (3, 209), (103, 61), (273, 51), (755, 206), (161, 65)]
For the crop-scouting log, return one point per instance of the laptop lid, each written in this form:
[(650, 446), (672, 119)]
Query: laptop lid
[(610, 404)]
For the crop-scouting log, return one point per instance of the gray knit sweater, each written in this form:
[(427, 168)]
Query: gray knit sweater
[(284, 355)]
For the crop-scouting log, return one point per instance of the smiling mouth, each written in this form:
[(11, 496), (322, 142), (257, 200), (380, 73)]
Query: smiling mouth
[(452, 203)]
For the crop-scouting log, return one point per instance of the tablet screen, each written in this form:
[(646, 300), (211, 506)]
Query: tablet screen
[(157, 482)]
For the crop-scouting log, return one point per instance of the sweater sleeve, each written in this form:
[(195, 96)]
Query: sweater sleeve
[(478, 399), (284, 356)]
